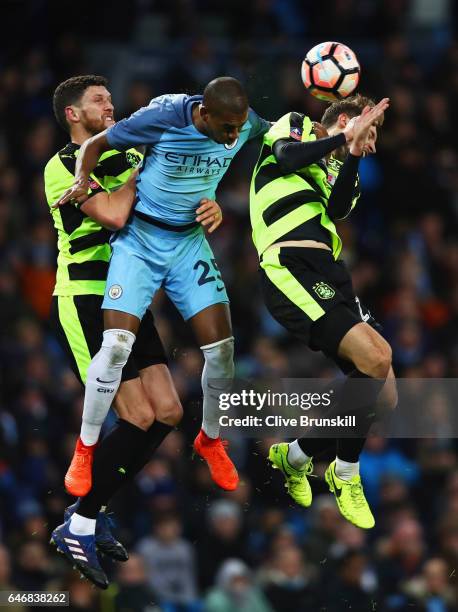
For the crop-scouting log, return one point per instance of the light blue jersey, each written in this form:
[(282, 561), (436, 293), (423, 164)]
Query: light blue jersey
[(163, 245), (181, 164)]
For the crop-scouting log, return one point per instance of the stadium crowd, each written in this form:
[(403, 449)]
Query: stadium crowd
[(195, 548)]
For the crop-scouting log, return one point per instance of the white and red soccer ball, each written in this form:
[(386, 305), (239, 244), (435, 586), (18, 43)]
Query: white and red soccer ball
[(330, 71)]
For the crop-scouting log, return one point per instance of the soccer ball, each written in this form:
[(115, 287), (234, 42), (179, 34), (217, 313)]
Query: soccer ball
[(330, 71)]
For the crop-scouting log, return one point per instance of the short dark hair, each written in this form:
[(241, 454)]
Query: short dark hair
[(225, 94), (71, 92), (351, 106)]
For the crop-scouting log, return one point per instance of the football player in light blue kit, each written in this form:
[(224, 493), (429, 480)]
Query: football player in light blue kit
[(190, 142)]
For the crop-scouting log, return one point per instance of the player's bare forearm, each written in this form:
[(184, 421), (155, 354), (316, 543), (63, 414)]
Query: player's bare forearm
[(86, 161), (112, 210), (89, 154)]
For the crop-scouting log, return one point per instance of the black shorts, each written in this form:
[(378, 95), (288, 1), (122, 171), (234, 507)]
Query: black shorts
[(77, 322), (311, 295)]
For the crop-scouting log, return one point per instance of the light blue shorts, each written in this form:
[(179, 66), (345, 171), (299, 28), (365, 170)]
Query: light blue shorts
[(146, 258)]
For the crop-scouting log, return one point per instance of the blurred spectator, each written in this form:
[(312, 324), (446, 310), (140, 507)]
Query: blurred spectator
[(326, 523), (401, 555), (170, 565), (380, 459), (235, 590), (82, 596), (222, 538), (139, 94), (5, 575), (33, 568), (287, 580), (348, 591), (348, 538), (132, 591), (431, 590), (5, 570)]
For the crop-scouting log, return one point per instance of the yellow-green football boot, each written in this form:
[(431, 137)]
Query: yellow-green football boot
[(296, 480), (350, 498)]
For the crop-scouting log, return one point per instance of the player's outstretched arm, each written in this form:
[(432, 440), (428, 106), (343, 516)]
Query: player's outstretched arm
[(343, 192), (86, 161), (291, 156), (112, 210)]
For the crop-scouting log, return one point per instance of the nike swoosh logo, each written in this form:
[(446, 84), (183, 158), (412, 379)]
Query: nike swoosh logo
[(106, 382), (337, 491), (220, 288)]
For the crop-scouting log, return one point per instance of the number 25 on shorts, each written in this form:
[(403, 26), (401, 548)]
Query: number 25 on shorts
[(206, 276)]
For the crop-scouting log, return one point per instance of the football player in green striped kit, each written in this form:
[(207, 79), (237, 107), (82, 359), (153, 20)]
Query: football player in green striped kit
[(147, 403), (300, 186)]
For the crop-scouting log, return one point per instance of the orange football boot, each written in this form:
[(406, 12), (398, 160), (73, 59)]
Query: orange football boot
[(78, 479), (213, 451)]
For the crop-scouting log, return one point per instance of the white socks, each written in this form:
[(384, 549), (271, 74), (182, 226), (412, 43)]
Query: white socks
[(298, 460), (80, 525), (217, 377), (103, 380), (346, 470), (296, 456)]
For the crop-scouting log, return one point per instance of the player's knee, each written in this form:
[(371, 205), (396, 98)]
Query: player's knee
[(219, 359), (142, 416), (169, 411), (117, 344)]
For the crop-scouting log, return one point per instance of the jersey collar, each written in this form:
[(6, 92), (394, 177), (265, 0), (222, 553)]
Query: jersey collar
[(188, 104)]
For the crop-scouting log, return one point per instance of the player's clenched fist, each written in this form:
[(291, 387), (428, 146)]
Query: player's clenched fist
[(78, 192), (209, 212)]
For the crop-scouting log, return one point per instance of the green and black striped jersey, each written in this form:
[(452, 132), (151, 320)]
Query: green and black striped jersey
[(84, 250), (292, 206)]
